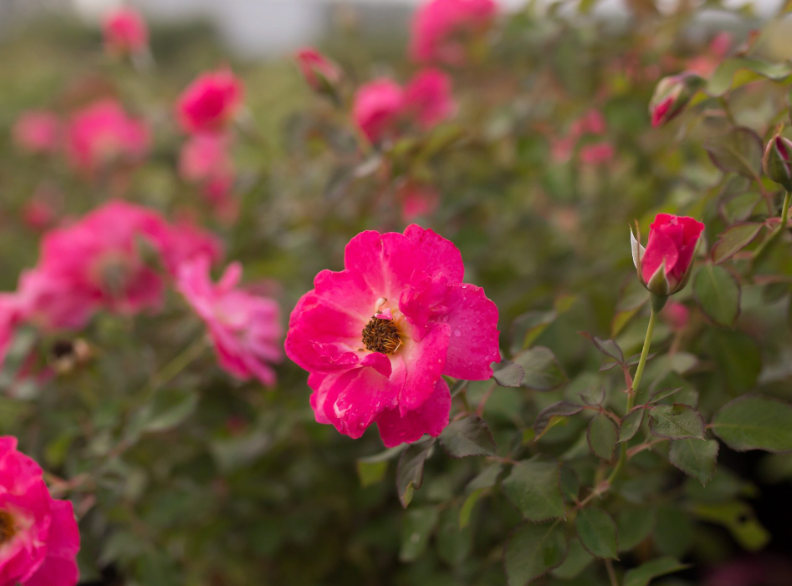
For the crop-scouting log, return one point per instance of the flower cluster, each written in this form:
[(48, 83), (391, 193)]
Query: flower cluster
[(205, 110), (378, 336), (383, 108)]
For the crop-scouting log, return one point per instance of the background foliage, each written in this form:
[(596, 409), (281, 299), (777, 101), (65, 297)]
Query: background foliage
[(208, 481)]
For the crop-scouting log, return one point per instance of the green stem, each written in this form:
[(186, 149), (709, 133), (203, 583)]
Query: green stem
[(175, 366), (634, 389), (768, 244)]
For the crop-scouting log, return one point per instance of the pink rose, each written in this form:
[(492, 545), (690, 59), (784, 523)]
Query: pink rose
[(125, 31), (377, 108), (596, 154), (382, 107), (427, 98), (244, 328), (319, 72), (206, 156), (103, 134), (39, 538), (377, 337), (210, 102), (37, 132), (441, 27), (417, 201), (672, 243)]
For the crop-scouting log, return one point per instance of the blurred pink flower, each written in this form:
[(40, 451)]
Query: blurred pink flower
[(102, 256), (377, 337), (378, 105), (382, 107), (183, 242), (210, 102), (244, 328), (417, 201), (38, 214), (38, 132), (52, 302), (219, 192), (206, 156), (318, 71), (596, 154), (125, 31), (592, 122), (10, 317), (428, 98), (706, 64), (752, 570), (39, 538), (102, 134), (676, 315), (441, 29)]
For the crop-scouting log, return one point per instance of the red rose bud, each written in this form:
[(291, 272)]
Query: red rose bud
[(777, 161), (664, 265), (671, 96), (319, 72)]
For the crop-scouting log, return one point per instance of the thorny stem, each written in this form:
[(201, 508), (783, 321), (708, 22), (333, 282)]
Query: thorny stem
[(768, 244), (633, 390)]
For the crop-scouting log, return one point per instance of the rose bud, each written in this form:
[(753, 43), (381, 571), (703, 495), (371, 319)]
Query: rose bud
[(777, 161), (321, 74), (664, 265), (671, 96)]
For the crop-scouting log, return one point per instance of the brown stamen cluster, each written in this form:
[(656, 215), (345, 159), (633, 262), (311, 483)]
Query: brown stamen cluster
[(7, 527), (381, 335)]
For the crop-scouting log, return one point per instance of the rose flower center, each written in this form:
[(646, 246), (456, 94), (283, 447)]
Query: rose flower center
[(7, 527), (381, 335)]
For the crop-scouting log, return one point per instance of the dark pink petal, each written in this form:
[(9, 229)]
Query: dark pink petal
[(423, 300), (385, 262), (64, 536), (378, 362), (659, 248), (441, 256), (473, 324), (418, 365), (431, 418), (355, 398), (55, 572), (347, 291)]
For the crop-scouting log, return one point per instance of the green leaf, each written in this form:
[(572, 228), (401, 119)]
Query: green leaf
[(753, 422), (695, 457), (409, 472), (372, 469), (676, 421), (673, 531), (718, 294), (467, 507), (602, 436), (542, 371), (560, 409), (634, 525), (733, 240), (468, 436), (730, 74), (508, 374), (534, 550), (738, 358), (167, 409), (739, 151), (417, 526), (529, 326), (453, 542), (631, 424), (534, 487), (642, 575), (739, 518), (597, 533), (576, 561)]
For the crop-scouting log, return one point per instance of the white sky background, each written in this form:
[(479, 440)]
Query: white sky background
[(256, 27)]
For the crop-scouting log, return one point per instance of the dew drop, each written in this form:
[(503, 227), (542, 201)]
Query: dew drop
[(457, 333)]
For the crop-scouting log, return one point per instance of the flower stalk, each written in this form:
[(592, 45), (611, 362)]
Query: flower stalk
[(631, 392)]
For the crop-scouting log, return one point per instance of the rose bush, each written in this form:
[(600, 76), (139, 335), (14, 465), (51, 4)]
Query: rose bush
[(586, 421)]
